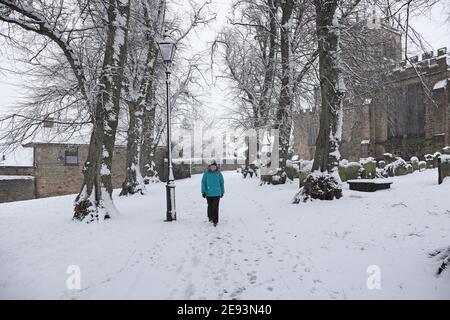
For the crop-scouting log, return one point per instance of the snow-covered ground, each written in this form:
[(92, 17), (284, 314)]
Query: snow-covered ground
[(263, 248)]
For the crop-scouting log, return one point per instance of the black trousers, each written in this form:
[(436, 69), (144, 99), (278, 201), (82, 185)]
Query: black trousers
[(213, 208)]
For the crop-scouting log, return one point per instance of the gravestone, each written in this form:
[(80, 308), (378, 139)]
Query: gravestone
[(429, 159), (353, 170), (446, 150), (341, 172), (414, 163), (370, 169), (443, 167), (422, 165)]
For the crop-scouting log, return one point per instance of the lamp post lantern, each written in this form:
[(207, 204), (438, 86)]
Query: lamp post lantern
[(167, 47)]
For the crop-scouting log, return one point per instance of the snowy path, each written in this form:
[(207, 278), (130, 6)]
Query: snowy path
[(263, 248)]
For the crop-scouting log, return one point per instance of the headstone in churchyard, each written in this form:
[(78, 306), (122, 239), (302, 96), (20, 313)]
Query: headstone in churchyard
[(443, 167)]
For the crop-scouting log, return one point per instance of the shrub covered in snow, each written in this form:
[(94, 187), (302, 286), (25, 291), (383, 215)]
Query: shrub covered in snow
[(381, 164), (251, 170), (279, 178), (396, 168), (151, 174), (388, 158), (319, 185)]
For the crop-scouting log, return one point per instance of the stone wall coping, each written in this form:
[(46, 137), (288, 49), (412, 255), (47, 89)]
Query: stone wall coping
[(12, 177), (26, 167), (33, 144)]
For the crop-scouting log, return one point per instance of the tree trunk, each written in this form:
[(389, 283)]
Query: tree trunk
[(264, 101), (332, 88), (324, 181), (148, 147), (142, 111), (95, 198), (133, 179), (283, 118)]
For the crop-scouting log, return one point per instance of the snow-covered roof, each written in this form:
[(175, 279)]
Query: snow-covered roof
[(19, 157), (53, 135), (440, 84)]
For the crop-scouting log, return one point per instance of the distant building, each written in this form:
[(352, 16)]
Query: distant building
[(46, 169), (412, 116), (55, 169)]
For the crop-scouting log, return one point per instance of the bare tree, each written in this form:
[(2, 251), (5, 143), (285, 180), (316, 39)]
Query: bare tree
[(98, 166), (324, 182), (49, 19), (270, 56), (139, 88), (283, 121)]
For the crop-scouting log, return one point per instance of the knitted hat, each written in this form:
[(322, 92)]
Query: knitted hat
[(212, 162)]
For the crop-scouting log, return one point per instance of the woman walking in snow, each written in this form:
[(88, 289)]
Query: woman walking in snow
[(213, 189)]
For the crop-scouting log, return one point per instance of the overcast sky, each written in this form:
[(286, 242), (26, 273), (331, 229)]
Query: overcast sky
[(431, 25)]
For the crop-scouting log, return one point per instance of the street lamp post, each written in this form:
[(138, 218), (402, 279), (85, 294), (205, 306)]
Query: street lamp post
[(167, 47)]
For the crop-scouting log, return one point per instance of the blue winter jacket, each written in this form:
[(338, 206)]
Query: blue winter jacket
[(212, 183)]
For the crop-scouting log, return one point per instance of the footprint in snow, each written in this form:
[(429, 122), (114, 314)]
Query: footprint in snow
[(252, 277), (190, 290)]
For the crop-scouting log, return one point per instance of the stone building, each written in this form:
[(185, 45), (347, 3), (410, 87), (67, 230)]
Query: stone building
[(410, 116), (56, 169), (53, 169)]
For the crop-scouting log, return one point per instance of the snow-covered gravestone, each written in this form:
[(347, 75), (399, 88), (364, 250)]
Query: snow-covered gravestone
[(443, 167)]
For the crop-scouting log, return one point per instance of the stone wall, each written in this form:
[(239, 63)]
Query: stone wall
[(305, 123), (435, 133), (356, 129), (16, 189), (182, 170), (16, 171), (198, 168)]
